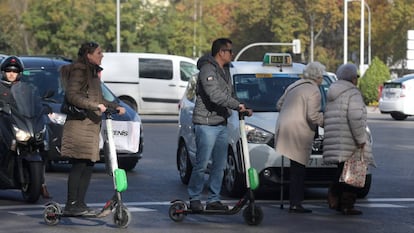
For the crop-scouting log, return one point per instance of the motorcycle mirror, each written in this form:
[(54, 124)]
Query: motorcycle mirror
[(5, 107)]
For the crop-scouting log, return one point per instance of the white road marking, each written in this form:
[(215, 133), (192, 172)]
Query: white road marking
[(24, 210)]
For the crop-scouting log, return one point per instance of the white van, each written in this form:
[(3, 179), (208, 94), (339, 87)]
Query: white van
[(397, 97), (150, 83)]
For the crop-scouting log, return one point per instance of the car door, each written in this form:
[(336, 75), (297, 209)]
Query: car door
[(157, 85)]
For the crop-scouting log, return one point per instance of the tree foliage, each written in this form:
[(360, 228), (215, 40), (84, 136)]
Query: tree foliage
[(187, 27), (373, 78)]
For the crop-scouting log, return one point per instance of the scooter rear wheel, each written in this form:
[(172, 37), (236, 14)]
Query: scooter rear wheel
[(253, 215), (51, 214), (176, 211), (122, 217)]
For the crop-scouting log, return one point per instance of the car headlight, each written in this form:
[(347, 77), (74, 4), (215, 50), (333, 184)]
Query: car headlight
[(57, 118), (257, 135), (21, 135)]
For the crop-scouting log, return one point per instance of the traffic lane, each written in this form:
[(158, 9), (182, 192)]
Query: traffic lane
[(393, 152)]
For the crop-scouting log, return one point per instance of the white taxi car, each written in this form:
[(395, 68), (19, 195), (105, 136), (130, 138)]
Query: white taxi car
[(259, 85)]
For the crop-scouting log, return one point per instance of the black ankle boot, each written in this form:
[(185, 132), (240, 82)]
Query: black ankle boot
[(73, 209)]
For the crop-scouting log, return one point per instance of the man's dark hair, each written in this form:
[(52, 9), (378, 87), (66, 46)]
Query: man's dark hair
[(218, 44)]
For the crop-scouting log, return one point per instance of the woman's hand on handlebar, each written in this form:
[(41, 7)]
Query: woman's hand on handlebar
[(101, 107), (120, 110)]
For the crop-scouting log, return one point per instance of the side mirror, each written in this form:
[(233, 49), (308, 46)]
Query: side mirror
[(47, 109), (49, 93)]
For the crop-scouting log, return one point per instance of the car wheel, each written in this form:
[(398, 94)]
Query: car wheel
[(363, 192), (398, 116), (127, 163), (184, 164), (234, 181)]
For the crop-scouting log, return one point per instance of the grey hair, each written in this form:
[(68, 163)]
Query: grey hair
[(313, 70)]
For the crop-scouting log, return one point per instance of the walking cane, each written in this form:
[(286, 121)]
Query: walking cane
[(281, 182)]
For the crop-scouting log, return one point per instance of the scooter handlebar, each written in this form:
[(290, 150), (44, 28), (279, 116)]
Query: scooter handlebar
[(244, 114), (109, 111)]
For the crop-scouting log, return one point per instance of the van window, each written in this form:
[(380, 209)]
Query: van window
[(155, 68), (187, 70)]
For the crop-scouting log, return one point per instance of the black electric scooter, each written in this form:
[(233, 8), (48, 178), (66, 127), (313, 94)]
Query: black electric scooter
[(53, 211), (252, 214)]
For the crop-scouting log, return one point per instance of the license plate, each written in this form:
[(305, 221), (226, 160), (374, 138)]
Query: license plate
[(317, 161)]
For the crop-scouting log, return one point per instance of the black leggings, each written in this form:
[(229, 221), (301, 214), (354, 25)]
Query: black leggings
[(79, 179)]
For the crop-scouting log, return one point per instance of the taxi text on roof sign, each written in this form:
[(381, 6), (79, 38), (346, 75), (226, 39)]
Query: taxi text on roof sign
[(277, 59)]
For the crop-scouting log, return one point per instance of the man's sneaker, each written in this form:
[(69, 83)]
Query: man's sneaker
[(73, 209), (196, 206), (217, 205)]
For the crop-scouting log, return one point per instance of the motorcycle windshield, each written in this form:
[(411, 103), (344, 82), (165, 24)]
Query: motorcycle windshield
[(27, 99)]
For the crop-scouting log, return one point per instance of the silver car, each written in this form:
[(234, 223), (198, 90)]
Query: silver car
[(259, 85)]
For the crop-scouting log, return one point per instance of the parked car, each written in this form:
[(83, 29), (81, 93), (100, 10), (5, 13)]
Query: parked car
[(259, 85), (150, 83), (43, 73), (397, 97)]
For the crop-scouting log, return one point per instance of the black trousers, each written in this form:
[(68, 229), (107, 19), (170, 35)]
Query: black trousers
[(297, 182), (79, 178)]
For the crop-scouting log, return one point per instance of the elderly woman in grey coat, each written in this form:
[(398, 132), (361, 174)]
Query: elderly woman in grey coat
[(299, 118), (345, 122)]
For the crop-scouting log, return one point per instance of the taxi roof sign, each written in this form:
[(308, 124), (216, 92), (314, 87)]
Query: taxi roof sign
[(277, 59)]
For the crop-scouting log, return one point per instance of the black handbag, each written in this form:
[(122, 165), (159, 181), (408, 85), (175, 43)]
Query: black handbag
[(72, 111)]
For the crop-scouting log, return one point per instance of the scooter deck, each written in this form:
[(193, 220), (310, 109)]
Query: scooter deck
[(230, 211), (234, 210)]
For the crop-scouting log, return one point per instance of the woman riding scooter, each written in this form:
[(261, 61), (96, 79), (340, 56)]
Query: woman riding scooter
[(11, 71)]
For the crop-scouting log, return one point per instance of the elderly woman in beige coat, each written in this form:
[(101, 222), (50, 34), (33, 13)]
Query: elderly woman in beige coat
[(80, 140), (299, 118)]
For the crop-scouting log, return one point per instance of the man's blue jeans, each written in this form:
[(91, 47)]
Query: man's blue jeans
[(211, 142)]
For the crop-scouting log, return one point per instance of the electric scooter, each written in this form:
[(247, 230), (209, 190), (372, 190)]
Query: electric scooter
[(252, 214), (53, 211)]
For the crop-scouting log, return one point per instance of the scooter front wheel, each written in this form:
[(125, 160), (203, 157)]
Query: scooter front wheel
[(176, 211), (52, 214), (122, 217), (253, 215)]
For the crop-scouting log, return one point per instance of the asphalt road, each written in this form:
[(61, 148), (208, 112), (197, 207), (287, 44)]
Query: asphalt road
[(155, 182)]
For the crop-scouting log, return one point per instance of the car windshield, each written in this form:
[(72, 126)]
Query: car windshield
[(49, 80), (44, 81), (261, 93)]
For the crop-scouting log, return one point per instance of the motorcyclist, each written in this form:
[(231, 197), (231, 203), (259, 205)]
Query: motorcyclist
[(11, 72)]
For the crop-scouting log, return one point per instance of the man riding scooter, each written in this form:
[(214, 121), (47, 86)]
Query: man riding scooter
[(11, 72)]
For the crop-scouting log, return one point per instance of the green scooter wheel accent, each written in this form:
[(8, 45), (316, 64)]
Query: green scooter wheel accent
[(253, 178), (120, 180)]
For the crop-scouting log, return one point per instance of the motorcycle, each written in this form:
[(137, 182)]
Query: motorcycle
[(23, 140)]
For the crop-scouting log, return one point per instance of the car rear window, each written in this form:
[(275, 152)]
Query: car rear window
[(261, 93), (392, 85)]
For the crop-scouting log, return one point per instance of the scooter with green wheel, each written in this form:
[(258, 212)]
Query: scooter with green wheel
[(53, 212), (252, 214)]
